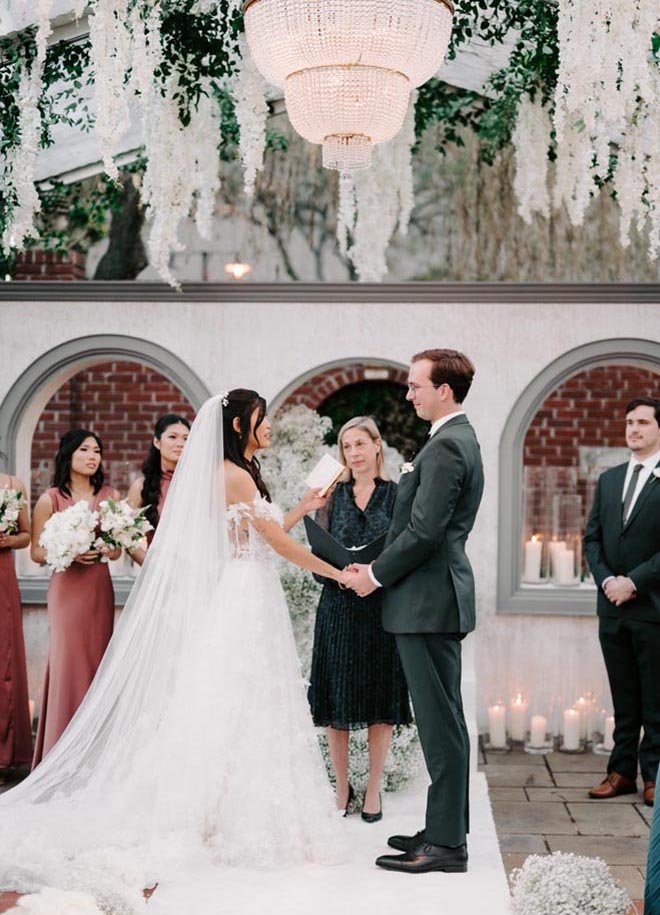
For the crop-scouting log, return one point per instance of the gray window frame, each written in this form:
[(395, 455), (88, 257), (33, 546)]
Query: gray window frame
[(77, 354), (512, 596)]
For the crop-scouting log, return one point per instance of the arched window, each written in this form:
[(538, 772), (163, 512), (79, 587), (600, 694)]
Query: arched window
[(564, 430), (78, 368)]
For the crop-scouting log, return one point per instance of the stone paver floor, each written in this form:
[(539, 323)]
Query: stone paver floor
[(540, 805)]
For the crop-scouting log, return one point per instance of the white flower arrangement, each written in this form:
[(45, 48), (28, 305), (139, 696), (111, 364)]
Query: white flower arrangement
[(11, 502), (67, 534), (121, 525), (407, 468), (376, 202), (298, 442), (566, 884)]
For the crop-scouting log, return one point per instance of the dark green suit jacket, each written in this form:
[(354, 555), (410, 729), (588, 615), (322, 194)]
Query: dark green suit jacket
[(633, 550), (428, 581)]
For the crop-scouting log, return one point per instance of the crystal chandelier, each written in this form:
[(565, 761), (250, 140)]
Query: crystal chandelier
[(347, 67)]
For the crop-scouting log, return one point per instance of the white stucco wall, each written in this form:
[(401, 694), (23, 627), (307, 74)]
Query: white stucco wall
[(266, 346)]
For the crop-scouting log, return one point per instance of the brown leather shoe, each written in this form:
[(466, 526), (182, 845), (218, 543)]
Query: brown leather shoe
[(613, 785), (649, 793)]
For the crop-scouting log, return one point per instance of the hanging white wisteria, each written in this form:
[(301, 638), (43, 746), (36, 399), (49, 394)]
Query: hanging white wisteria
[(182, 167), (111, 57), (607, 99), (531, 139), (20, 161), (251, 110), (375, 202)]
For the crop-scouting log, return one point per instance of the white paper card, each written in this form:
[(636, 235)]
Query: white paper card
[(327, 471)]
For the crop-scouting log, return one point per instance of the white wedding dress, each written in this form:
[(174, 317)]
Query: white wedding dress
[(194, 748)]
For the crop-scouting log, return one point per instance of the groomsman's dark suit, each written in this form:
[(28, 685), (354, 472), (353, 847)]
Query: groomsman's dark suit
[(429, 604), (629, 634)]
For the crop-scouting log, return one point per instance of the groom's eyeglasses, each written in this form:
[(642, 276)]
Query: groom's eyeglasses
[(413, 388)]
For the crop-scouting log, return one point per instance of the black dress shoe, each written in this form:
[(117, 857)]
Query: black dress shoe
[(405, 843), (424, 858), (373, 817), (349, 800)]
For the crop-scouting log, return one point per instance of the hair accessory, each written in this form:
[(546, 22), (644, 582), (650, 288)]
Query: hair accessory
[(225, 398)]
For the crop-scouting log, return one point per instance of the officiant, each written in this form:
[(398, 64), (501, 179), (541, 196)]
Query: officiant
[(357, 680)]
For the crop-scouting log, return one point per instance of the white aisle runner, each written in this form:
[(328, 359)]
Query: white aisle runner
[(357, 884)]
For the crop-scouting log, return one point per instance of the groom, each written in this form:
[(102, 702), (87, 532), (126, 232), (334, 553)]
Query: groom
[(429, 601)]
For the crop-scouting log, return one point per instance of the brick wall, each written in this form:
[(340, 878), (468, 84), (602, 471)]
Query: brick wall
[(37, 264), (121, 402), (587, 409), (317, 389)]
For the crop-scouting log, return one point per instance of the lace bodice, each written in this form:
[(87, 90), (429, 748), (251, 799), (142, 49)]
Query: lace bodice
[(245, 542)]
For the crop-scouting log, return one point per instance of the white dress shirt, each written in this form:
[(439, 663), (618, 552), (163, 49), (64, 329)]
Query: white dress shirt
[(648, 466), (434, 428)]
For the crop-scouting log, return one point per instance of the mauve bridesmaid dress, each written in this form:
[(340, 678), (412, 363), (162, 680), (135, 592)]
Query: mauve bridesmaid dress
[(15, 727), (80, 616)]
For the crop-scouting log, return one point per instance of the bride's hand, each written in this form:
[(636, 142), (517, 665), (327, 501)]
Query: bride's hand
[(313, 500), (346, 577)]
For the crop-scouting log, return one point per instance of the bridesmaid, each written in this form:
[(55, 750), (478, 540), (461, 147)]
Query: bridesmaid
[(158, 469), (15, 724), (81, 599)]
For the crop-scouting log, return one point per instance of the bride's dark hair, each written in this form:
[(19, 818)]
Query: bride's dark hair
[(241, 404)]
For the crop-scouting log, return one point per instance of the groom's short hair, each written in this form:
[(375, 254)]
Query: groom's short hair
[(449, 367)]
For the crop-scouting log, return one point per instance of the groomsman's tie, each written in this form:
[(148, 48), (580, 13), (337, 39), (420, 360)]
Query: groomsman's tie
[(630, 492)]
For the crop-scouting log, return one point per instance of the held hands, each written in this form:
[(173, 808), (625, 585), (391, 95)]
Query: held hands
[(89, 558), (6, 541), (361, 581), (619, 590)]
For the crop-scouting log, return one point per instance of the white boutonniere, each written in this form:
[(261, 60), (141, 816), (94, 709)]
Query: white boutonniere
[(407, 468), (656, 473)]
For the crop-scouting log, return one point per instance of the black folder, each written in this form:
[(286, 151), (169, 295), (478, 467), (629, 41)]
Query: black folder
[(326, 547)]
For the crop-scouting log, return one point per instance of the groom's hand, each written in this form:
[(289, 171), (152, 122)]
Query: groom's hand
[(361, 583)]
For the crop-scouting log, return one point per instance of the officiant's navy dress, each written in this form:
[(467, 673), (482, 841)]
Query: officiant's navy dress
[(356, 679)]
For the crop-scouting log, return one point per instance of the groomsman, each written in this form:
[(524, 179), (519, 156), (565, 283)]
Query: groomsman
[(622, 546)]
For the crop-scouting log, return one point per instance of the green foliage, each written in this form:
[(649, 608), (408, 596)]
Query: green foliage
[(531, 69)]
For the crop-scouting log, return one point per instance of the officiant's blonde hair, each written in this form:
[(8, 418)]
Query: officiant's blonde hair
[(368, 425)]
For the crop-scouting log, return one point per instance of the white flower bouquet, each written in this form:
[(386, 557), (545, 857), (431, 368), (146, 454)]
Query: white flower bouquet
[(11, 502), (121, 525), (67, 534), (566, 884)]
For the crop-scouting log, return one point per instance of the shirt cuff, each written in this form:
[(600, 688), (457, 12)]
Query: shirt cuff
[(605, 581), (373, 577)]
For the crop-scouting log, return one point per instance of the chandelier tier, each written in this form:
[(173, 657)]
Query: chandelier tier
[(347, 67)]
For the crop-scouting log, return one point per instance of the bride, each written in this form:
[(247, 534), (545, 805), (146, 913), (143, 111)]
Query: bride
[(194, 746)]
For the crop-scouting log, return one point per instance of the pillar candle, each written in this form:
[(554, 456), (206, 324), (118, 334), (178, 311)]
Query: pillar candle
[(497, 725), (555, 547), (518, 719), (31, 703), (583, 706), (571, 729), (565, 566), (532, 565), (608, 737), (538, 731)]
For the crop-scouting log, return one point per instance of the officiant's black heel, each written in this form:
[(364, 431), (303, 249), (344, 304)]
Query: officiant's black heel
[(349, 800), (374, 817)]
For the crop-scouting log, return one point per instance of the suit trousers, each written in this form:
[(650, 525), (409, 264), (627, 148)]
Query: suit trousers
[(432, 665), (631, 649)]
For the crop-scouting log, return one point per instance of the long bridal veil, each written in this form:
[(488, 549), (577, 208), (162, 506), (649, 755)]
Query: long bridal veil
[(95, 811)]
